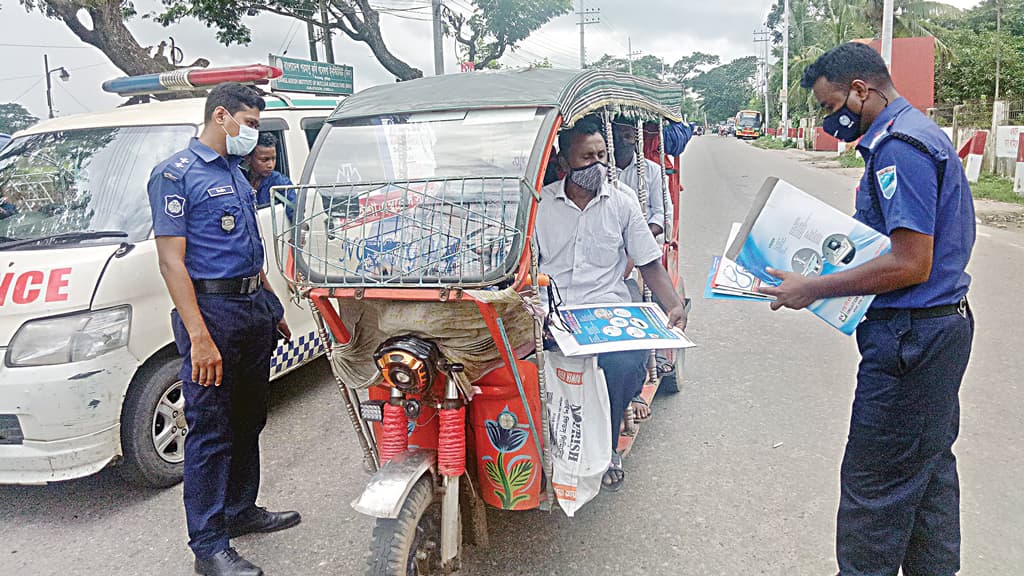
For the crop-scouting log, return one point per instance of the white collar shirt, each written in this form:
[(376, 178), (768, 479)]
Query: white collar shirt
[(586, 251)]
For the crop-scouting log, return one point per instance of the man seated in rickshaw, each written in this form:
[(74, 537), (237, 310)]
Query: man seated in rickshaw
[(587, 230), (625, 137)]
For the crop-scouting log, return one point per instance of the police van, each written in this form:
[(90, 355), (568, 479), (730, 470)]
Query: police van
[(89, 372)]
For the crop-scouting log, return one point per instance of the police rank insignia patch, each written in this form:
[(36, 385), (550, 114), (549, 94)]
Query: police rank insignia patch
[(227, 222), (887, 181), (174, 205)]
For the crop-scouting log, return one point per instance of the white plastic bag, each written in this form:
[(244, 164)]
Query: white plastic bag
[(581, 438)]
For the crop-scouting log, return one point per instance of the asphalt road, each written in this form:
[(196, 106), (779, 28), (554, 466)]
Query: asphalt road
[(738, 474)]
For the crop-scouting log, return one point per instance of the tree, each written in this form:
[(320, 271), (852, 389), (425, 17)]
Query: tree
[(971, 75), (496, 26), (14, 117), (726, 89), (688, 65), (105, 29), (357, 19)]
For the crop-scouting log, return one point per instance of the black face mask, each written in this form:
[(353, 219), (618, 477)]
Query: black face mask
[(845, 124)]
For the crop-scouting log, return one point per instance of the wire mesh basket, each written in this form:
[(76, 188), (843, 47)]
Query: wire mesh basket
[(466, 232)]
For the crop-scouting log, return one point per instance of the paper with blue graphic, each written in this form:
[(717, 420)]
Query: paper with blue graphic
[(601, 328), (788, 229)]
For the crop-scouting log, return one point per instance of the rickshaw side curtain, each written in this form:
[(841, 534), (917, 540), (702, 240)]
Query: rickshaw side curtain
[(456, 326)]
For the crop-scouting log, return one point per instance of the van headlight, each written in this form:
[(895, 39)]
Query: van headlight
[(71, 338)]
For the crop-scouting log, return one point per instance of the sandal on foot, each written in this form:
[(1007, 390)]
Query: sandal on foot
[(637, 419), (614, 476), (665, 366)]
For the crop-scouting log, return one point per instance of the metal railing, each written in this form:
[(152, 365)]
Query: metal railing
[(465, 232)]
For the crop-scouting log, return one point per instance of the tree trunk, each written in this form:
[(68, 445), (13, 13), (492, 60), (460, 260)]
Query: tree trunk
[(367, 30), (109, 34)]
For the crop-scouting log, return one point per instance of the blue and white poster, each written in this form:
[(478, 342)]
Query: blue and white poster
[(596, 329)]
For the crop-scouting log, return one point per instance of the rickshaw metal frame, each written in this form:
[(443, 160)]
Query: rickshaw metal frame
[(594, 91)]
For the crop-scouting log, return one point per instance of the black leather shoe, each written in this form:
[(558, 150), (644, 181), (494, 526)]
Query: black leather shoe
[(260, 520), (227, 563)]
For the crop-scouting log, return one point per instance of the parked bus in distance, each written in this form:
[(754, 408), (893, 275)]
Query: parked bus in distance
[(748, 124)]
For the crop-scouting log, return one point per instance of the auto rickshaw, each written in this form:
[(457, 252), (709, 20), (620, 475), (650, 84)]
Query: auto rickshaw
[(413, 242)]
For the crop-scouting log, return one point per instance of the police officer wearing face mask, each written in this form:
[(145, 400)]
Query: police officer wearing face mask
[(899, 505), (226, 323)]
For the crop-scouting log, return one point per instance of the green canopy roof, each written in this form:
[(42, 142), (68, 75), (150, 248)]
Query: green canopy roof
[(575, 93)]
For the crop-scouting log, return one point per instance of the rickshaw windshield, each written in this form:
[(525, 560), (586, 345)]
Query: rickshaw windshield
[(477, 143), (426, 199)]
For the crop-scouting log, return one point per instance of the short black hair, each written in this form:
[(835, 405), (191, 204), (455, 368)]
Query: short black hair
[(267, 140), (233, 97), (846, 63), (584, 127)]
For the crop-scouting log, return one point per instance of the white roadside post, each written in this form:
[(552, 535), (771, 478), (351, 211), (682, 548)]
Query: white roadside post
[(1018, 181), (975, 155)]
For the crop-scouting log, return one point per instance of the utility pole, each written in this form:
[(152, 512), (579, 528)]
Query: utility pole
[(999, 47), (311, 37), (328, 38), (438, 40), (629, 41), (763, 36), (587, 16), (785, 72), (64, 75), (887, 10)]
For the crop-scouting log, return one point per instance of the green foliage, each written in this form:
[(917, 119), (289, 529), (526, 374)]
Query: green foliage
[(993, 187), (851, 159), (972, 75), (726, 89), (496, 26), (14, 117)]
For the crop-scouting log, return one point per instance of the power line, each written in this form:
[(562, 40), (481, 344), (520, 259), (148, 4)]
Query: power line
[(77, 101), (27, 76), (55, 46), (27, 90)]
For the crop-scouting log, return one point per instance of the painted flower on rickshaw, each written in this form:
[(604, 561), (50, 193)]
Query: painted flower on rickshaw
[(517, 474)]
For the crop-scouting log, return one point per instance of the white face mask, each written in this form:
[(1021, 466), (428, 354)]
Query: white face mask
[(245, 142)]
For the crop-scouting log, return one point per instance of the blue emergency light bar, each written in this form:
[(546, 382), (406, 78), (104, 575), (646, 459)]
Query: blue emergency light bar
[(190, 79)]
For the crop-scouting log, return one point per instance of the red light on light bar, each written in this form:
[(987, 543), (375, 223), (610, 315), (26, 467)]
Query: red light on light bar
[(251, 73)]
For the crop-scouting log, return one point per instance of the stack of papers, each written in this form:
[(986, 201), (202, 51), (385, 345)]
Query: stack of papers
[(790, 230), (730, 281), (601, 328)]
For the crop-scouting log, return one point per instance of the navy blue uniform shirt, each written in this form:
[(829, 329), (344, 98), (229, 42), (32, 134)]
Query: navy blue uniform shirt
[(900, 189), (201, 196), (275, 178)]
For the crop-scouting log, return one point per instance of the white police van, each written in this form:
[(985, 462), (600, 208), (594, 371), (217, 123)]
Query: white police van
[(89, 372)]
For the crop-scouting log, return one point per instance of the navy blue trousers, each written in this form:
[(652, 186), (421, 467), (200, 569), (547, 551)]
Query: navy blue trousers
[(900, 500), (222, 452), (624, 373)]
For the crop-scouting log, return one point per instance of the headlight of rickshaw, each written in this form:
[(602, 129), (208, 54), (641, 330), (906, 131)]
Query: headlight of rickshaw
[(408, 363)]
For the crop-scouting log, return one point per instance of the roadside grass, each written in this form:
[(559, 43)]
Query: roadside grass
[(770, 143), (851, 159), (992, 187)]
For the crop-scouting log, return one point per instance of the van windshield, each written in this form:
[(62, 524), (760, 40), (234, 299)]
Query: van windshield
[(62, 183)]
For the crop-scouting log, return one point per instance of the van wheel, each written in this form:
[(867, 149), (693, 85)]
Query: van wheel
[(153, 427)]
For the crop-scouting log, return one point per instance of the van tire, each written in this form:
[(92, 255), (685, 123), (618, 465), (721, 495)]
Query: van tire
[(142, 464)]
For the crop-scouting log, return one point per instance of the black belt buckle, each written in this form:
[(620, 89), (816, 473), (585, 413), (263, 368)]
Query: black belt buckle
[(250, 284)]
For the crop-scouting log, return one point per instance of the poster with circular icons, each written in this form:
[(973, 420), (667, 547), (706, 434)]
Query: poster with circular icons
[(602, 329)]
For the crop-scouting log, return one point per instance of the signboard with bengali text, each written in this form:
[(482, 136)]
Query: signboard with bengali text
[(312, 77)]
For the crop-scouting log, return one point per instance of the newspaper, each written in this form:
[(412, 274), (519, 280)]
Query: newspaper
[(601, 328), (788, 229)]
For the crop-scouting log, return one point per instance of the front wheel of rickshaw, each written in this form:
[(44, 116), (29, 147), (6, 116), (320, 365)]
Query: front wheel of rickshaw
[(409, 545)]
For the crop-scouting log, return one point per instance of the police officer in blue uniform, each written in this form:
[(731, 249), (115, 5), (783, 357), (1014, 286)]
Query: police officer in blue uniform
[(899, 504), (226, 324)]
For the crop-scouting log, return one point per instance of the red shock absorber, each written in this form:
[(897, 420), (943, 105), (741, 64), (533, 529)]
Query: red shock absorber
[(451, 446), (395, 438)]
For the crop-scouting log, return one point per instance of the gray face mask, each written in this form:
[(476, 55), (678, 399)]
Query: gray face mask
[(590, 177)]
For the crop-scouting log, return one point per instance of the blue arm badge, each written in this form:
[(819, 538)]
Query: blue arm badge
[(887, 181)]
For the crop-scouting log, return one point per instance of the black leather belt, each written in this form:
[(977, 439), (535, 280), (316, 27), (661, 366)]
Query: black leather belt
[(960, 308), (247, 285)]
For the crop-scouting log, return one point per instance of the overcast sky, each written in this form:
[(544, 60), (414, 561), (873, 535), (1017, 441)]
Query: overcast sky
[(666, 28)]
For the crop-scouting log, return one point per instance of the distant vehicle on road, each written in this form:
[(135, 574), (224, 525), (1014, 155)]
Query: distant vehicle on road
[(748, 124)]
